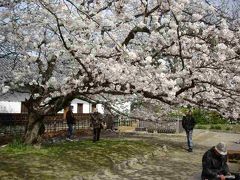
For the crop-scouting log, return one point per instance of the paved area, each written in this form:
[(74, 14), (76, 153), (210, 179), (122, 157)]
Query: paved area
[(173, 161), (209, 138)]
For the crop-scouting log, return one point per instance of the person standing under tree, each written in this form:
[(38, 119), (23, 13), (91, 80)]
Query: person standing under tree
[(70, 122), (188, 123), (97, 125)]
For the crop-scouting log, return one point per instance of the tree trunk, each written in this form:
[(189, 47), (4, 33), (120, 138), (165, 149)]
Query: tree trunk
[(34, 129)]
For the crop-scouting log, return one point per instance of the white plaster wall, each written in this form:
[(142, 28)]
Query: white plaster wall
[(15, 107), (10, 107), (100, 108), (86, 106), (60, 111)]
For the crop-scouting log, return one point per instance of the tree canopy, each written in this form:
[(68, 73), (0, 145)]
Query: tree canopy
[(174, 51)]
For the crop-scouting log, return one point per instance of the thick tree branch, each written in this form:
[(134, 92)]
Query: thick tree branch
[(192, 85), (131, 34)]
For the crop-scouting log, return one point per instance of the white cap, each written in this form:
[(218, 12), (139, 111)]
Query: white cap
[(221, 148)]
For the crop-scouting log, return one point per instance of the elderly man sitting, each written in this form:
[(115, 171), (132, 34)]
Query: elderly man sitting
[(214, 164)]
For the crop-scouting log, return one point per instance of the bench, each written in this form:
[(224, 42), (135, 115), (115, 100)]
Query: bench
[(234, 153)]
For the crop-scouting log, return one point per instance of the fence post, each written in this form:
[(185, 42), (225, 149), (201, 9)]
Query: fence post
[(178, 126)]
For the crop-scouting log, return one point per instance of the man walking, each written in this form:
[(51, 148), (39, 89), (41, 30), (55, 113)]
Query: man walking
[(188, 123)]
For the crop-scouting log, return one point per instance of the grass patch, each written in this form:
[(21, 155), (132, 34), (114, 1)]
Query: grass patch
[(235, 128), (66, 160), (217, 127), (200, 126)]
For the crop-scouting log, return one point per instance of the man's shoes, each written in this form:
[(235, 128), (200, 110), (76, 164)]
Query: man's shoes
[(68, 139), (190, 150)]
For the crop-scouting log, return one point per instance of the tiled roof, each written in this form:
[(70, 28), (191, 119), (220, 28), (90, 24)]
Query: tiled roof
[(6, 67), (14, 97)]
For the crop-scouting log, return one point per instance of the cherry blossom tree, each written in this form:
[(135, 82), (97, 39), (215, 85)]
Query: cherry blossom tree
[(173, 51)]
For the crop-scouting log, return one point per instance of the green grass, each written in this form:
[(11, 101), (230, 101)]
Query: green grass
[(235, 128), (66, 160)]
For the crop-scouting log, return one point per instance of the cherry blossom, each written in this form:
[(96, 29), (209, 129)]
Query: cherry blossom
[(176, 52)]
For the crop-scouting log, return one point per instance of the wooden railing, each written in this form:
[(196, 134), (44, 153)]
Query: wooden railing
[(13, 124), (167, 126)]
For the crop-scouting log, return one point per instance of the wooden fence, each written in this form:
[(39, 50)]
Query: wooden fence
[(165, 126), (13, 124)]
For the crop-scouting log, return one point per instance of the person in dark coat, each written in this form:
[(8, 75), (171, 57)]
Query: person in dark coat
[(214, 164), (70, 122), (188, 123), (97, 125)]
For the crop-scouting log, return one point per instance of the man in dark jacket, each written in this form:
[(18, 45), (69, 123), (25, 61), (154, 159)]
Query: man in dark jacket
[(97, 125), (188, 123), (214, 163), (70, 121)]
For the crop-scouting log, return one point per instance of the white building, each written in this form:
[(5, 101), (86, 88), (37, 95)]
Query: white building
[(14, 103)]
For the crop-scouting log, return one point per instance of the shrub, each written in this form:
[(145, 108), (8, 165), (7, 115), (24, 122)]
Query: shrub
[(150, 130), (228, 128), (161, 130), (201, 127), (217, 127), (204, 116), (17, 143), (165, 130)]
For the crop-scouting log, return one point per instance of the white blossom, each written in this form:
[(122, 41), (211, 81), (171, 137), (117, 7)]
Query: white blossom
[(5, 89), (119, 48)]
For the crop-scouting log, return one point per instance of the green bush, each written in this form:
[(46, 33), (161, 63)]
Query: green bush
[(150, 130), (201, 127), (228, 128), (204, 116), (217, 127), (17, 143)]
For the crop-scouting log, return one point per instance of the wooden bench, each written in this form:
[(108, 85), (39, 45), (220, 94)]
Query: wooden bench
[(234, 153)]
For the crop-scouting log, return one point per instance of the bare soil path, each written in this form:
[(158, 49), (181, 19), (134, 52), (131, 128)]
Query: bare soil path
[(175, 162), (166, 159)]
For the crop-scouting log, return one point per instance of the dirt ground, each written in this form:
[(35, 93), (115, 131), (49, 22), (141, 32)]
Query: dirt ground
[(175, 162), (170, 160)]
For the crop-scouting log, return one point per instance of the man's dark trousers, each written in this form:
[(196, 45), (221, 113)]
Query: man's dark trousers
[(96, 134)]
